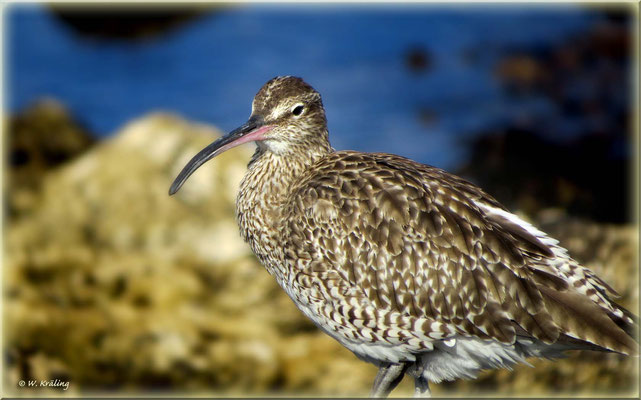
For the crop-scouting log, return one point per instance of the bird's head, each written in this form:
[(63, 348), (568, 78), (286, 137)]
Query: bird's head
[(287, 118)]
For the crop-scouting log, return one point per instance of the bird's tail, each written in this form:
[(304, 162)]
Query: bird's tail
[(586, 323)]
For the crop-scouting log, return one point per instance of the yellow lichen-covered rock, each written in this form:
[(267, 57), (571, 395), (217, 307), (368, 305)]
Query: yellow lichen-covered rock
[(112, 285)]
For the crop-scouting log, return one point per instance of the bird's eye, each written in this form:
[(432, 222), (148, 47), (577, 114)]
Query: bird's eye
[(298, 109)]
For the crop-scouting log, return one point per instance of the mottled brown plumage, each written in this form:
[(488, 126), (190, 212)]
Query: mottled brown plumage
[(408, 266)]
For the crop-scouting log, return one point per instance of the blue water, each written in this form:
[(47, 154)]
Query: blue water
[(209, 69)]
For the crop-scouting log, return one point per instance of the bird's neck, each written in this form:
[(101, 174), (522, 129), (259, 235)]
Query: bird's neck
[(272, 174), (284, 164), (265, 189)]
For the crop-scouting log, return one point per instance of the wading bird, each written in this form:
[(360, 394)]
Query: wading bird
[(411, 268)]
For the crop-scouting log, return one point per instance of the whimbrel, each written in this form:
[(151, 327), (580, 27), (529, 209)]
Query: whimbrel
[(411, 268)]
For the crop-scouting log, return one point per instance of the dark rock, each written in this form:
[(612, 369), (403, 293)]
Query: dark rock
[(427, 116), (574, 151), (520, 73), (126, 21), (41, 137), (418, 59), (525, 171)]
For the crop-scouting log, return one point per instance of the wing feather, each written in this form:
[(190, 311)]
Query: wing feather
[(413, 246)]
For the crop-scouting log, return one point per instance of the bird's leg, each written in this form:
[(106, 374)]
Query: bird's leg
[(387, 378), (422, 387)]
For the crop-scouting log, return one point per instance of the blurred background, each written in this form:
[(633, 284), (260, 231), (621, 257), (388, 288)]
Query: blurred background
[(114, 287)]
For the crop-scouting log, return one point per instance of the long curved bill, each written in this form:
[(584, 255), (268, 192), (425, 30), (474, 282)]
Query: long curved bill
[(252, 130)]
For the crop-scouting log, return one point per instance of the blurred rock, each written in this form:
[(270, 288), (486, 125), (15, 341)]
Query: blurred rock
[(527, 171), (428, 117), (41, 137), (520, 72), (563, 71), (568, 139), (418, 59), (115, 286), (128, 21)]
